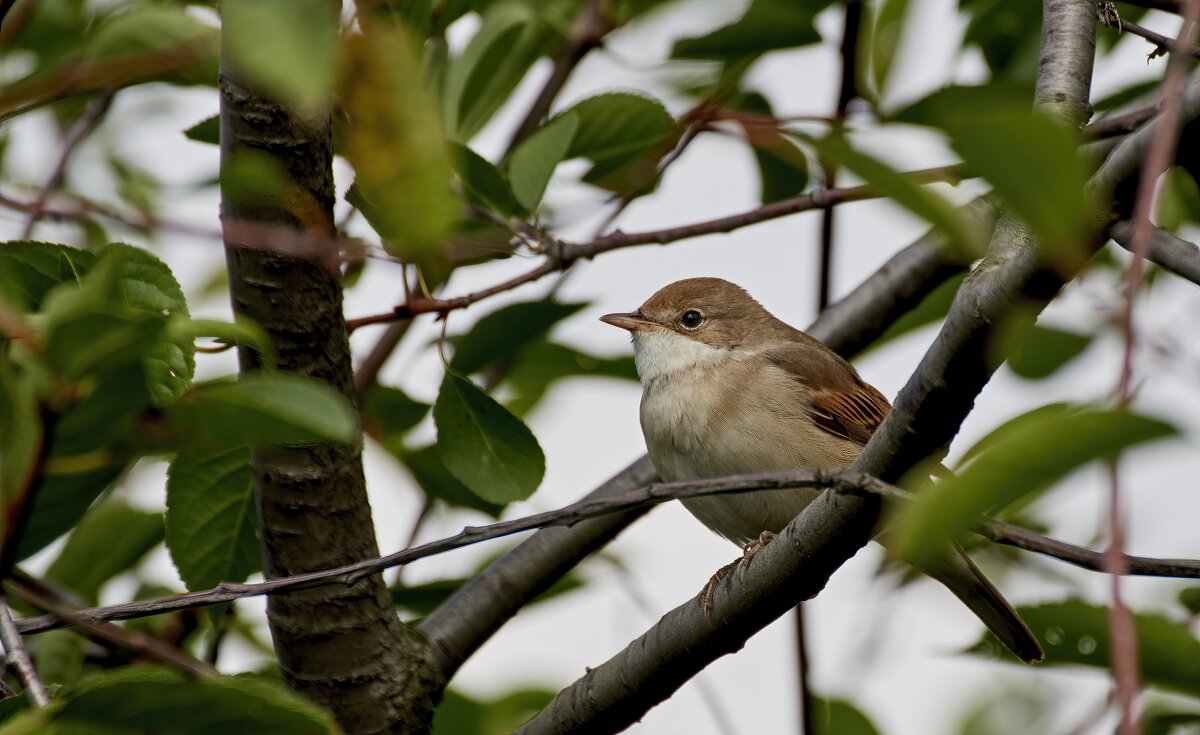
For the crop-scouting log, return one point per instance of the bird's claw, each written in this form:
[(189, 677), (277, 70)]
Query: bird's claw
[(749, 551)]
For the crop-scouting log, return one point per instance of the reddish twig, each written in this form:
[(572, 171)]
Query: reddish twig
[(559, 254), (77, 133), (1158, 157)]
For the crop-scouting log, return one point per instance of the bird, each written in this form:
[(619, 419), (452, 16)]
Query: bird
[(728, 389)]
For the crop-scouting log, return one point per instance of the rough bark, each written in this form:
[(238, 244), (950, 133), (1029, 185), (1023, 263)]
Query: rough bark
[(342, 646)]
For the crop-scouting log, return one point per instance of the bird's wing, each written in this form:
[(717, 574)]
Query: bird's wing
[(839, 401)]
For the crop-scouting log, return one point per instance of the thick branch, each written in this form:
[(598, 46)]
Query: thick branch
[(926, 415), (1177, 255), (342, 646)]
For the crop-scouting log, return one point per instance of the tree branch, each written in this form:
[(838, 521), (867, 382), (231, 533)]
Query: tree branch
[(76, 135), (925, 417), (1162, 43), (617, 503), (560, 254), (18, 657), (1177, 255)]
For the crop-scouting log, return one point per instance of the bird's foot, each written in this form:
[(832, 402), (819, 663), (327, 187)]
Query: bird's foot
[(749, 551)]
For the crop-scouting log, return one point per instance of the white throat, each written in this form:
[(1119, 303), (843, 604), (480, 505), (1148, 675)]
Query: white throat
[(658, 353)]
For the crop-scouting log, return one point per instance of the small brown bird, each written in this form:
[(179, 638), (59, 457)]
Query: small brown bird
[(729, 389)]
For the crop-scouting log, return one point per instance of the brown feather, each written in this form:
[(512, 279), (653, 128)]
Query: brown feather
[(839, 402)]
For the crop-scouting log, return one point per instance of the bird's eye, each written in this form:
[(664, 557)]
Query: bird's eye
[(691, 319)]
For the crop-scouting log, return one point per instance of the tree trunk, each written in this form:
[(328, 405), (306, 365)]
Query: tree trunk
[(342, 646)]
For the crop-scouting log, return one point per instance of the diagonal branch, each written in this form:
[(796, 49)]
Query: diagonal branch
[(18, 657), (613, 505), (925, 417), (1177, 255)]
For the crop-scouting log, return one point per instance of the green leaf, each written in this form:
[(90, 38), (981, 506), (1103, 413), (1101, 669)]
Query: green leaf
[(395, 143), (288, 47), (423, 599), (242, 333), (1007, 32), (1126, 95), (1035, 351), (64, 497), (1027, 460), (146, 28), (391, 414), (839, 717), (782, 165), (20, 432), (28, 270), (510, 38), (933, 308), (150, 700), (767, 25), (1189, 597), (435, 480), (999, 138), (264, 408), (483, 183), (1074, 632), (542, 362), (914, 197), (211, 521), (886, 34), (207, 130), (110, 539), (459, 714), (1178, 200), (483, 445), (533, 162), (503, 332), (117, 314), (615, 128)]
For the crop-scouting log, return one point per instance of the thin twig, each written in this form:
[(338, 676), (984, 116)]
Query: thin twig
[(841, 481), (1126, 122), (1162, 43), (560, 254), (82, 128), (18, 657), (1158, 157), (40, 595), (5, 6)]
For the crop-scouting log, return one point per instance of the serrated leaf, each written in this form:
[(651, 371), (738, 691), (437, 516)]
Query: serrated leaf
[(766, 25), (904, 191), (1074, 632), (207, 130), (483, 183), (483, 445), (296, 59), (394, 141), (29, 269), (504, 331), (110, 539), (391, 414), (533, 162), (264, 408), (211, 520), (1029, 458), (435, 480), (782, 165), (152, 700)]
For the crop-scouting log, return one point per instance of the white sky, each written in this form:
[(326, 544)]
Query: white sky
[(891, 652)]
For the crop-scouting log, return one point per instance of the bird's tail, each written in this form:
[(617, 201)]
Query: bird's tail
[(960, 575)]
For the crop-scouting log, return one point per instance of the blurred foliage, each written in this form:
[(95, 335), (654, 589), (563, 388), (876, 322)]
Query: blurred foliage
[(98, 358)]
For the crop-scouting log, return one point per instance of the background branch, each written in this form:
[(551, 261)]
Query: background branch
[(18, 657)]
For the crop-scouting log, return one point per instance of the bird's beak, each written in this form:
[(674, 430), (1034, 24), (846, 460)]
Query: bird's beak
[(633, 322)]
